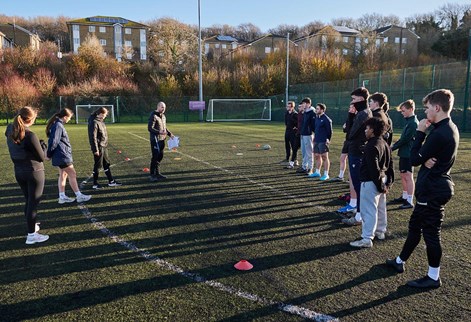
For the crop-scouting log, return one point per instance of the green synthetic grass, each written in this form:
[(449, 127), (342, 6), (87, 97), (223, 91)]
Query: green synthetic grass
[(216, 208)]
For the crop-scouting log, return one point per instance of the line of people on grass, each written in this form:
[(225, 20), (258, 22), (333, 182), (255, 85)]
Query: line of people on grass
[(28, 154), (368, 146)]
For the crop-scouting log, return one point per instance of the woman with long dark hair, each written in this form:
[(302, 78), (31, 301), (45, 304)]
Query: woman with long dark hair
[(28, 154), (60, 151)]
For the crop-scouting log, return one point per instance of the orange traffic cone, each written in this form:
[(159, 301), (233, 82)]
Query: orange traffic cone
[(257, 145), (146, 170), (119, 152), (243, 265), (126, 159)]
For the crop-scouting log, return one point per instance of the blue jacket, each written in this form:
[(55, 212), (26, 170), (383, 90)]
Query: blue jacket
[(59, 148), (309, 119), (322, 129)]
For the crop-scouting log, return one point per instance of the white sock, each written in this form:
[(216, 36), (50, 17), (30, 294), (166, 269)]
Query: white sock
[(410, 198), (434, 272), (78, 193), (404, 195), (341, 173), (353, 203), (326, 173), (399, 260), (318, 171), (358, 216), (62, 195)]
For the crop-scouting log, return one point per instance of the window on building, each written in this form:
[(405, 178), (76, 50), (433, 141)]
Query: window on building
[(397, 40), (103, 29), (127, 31), (77, 41), (128, 43), (128, 55), (103, 42), (345, 39), (75, 27), (365, 40), (345, 52), (143, 56), (223, 46), (377, 42), (234, 45), (386, 39), (357, 40), (206, 48), (404, 40), (91, 28), (216, 45), (267, 50), (403, 51)]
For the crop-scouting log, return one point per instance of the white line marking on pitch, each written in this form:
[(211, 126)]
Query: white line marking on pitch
[(285, 307)]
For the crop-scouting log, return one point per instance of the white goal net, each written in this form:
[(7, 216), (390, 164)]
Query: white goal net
[(83, 112), (239, 110)]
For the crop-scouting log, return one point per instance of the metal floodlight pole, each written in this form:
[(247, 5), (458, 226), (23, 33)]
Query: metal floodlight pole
[(200, 62), (466, 89), (287, 69)]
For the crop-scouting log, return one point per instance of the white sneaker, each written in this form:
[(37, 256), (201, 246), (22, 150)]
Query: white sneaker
[(362, 243), (36, 238), (66, 200), (83, 198), (380, 235)]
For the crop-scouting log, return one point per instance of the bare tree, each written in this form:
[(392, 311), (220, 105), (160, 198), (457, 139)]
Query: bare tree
[(248, 32), (450, 14), (283, 29)]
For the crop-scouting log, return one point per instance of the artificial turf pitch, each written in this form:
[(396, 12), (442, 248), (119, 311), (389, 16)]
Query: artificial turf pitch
[(152, 251)]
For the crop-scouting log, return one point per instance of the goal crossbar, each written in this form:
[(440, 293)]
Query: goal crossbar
[(83, 112)]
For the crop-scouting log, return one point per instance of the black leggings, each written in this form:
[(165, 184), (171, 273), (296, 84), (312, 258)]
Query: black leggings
[(157, 156), (102, 160), (32, 185)]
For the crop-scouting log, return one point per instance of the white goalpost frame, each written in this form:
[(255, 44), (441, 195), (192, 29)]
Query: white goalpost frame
[(91, 108), (267, 106)]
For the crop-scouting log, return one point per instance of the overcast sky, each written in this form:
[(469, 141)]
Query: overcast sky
[(265, 14)]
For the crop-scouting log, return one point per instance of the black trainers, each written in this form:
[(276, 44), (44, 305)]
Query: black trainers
[(153, 178), (399, 200), (406, 205), (397, 267), (425, 282), (114, 183), (97, 186)]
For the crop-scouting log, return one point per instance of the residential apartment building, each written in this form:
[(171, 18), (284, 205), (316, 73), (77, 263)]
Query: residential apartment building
[(263, 46), (338, 39), (5, 42), (19, 36), (219, 46), (401, 40), (120, 38)]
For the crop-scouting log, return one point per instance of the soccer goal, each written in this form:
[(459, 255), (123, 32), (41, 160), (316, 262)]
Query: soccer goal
[(239, 110), (82, 112)]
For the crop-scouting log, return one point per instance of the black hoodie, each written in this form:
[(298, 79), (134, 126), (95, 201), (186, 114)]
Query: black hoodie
[(356, 136)]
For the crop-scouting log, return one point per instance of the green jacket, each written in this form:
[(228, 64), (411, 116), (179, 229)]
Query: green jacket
[(404, 144)]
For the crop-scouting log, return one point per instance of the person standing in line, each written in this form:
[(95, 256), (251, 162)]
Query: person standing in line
[(357, 141), (307, 130), (404, 145), (298, 135), (98, 138), (28, 154), (322, 137), (376, 176), (436, 154), (60, 152), (376, 104), (291, 139), (157, 127), (351, 206)]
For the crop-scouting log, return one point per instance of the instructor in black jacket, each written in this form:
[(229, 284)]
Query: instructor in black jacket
[(436, 154)]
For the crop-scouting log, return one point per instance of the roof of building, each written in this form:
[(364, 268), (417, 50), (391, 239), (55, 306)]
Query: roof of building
[(343, 29), (106, 21), (383, 29), (16, 27), (225, 38)]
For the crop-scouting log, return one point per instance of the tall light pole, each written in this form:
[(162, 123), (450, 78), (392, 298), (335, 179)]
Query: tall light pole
[(200, 62), (287, 69), (466, 90)]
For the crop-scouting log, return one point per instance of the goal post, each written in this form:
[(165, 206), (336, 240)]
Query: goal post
[(83, 112), (238, 110)]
